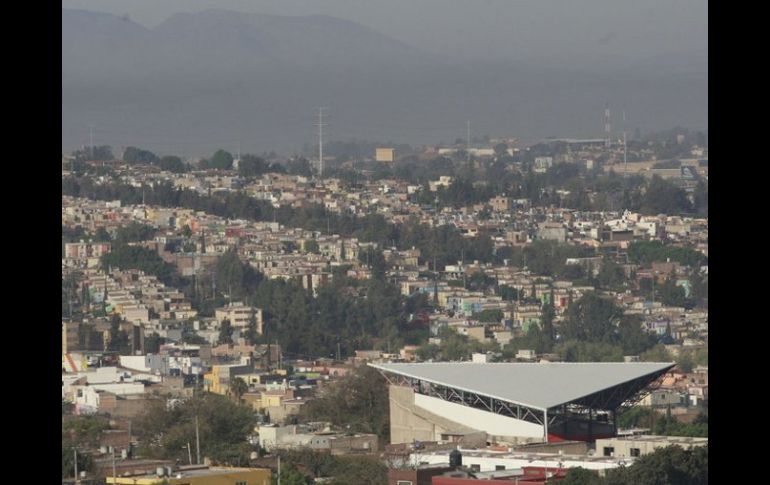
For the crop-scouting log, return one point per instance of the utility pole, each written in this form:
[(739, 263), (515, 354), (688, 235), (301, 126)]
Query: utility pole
[(74, 450), (189, 454), (279, 469), (320, 124), (114, 473), (338, 351), (197, 442)]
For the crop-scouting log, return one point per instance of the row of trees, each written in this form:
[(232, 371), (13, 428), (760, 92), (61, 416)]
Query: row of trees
[(647, 252), (249, 165), (301, 467), (443, 243), (564, 184)]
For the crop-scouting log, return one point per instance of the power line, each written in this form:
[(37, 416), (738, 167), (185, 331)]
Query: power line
[(625, 151), (91, 139), (468, 143)]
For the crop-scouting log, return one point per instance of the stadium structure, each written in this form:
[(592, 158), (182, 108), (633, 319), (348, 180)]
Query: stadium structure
[(474, 403)]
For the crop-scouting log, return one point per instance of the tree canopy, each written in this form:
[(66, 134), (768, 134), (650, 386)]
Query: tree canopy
[(224, 426)]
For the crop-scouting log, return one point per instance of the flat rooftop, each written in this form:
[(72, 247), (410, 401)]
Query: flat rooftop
[(196, 472), (535, 385), (530, 457), (662, 439)]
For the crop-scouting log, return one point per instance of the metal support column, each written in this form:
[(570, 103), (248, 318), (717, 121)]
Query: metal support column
[(545, 423)]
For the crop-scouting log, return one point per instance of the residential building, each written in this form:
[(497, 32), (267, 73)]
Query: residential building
[(636, 446)]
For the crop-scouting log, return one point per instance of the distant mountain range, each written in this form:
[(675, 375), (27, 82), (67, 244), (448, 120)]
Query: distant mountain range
[(217, 78)]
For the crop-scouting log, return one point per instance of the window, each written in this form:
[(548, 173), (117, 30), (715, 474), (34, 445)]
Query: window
[(241, 483), (404, 482), (635, 452), (476, 468), (499, 467), (609, 450)]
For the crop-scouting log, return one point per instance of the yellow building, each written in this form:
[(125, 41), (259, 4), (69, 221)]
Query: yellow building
[(202, 476), (385, 154), (219, 379)]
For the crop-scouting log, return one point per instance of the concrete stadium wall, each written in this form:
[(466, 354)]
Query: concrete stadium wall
[(423, 418), (493, 424)]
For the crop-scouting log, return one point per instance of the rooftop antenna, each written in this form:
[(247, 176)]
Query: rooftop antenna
[(320, 124), (607, 127)]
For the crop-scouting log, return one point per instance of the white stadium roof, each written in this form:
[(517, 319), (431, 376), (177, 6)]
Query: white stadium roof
[(540, 386)]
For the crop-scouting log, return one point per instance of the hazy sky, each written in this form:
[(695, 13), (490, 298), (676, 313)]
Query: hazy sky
[(547, 68), (600, 33)]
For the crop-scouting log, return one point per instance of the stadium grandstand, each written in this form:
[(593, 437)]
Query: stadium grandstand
[(475, 403)]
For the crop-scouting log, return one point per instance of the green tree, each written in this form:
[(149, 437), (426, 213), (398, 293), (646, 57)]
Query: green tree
[(577, 351), (221, 160), (358, 400), (611, 275), (291, 476), (535, 339), (119, 341), (657, 353), (224, 426), (311, 246), (134, 232), (592, 319), (489, 316), (234, 277), (101, 235), (133, 155), (252, 337), (672, 295), (508, 294), (547, 316), (152, 343), (85, 463), (96, 153), (581, 476), (171, 163), (428, 352), (636, 417), (633, 337), (252, 166), (663, 197), (225, 333), (238, 388), (665, 466), (124, 256)]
